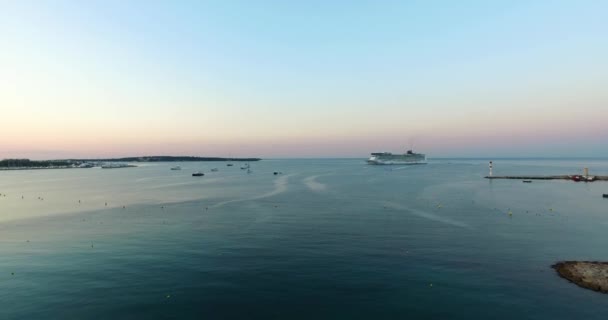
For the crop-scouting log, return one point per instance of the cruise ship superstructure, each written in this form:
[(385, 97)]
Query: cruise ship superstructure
[(388, 158)]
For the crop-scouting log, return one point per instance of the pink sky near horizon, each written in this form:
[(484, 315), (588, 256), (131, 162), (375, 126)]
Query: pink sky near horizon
[(435, 144), (327, 134)]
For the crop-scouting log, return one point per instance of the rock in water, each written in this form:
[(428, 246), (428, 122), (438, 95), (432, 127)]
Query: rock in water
[(587, 274)]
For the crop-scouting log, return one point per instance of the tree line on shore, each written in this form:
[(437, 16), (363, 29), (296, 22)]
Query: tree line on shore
[(167, 159), (27, 163)]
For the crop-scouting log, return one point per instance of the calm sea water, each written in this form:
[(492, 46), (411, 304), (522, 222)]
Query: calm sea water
[(327, 239)]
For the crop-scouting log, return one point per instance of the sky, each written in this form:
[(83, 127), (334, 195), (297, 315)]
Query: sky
[(277, 79)]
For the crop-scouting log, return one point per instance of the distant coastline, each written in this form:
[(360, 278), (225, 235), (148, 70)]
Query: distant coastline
[(162, 159), (27, 164)]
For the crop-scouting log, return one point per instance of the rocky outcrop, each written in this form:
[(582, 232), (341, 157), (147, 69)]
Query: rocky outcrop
[(587, 274)]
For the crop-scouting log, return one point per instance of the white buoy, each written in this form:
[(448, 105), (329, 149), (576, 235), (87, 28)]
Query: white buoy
[(490, 168)]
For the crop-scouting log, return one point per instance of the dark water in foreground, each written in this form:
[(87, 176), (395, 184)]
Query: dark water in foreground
[(328, 239)]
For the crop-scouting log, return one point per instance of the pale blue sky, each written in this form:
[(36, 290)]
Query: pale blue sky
[(305, 78)]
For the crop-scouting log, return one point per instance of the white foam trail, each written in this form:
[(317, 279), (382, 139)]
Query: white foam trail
[(177, 184), (280, 186), (53, 180), (149, 178), (427, 215), (313, 184)]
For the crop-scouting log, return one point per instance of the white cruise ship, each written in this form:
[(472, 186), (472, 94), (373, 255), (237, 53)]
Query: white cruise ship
[(388, 158)]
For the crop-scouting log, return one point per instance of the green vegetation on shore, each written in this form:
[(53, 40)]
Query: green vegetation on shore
[(164, 159), (27, 163)]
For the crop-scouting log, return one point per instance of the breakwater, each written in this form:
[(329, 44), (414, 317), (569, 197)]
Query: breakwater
[(558, 177)]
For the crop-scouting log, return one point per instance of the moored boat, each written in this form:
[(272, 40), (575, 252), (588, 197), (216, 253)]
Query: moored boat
[(198, 174), (86, 165)]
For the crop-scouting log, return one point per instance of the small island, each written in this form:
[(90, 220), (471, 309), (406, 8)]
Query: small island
[(587, 274)]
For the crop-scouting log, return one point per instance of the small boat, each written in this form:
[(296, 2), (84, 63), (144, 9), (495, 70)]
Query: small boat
[(605, 195), (176, 168), (229, 164), (578, 178), (198, 174), (214, 170), (277, 173), (527, 181), (245, 167)]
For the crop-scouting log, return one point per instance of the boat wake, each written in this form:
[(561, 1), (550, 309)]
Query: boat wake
[(280, 186), (188, 183), (404, 167), (150, 178), (427, 215), (313, 184)]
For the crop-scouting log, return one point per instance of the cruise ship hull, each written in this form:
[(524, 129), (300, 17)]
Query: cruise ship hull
[(394, 162)]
